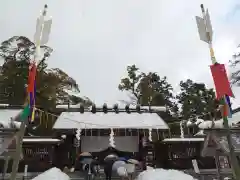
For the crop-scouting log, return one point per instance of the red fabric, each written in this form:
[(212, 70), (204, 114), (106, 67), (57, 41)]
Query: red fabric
[(221, 82), (31, 77)]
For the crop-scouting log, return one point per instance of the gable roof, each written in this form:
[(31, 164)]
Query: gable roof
[(100, 120)]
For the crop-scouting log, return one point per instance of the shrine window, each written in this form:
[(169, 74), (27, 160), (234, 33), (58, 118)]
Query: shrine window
[(104, 132), (95, 132)]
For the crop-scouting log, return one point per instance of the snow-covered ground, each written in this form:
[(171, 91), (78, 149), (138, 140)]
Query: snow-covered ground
[(52, 174), (150, 174), (162, 174)]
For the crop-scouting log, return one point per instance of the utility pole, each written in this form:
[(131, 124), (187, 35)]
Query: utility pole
[(205, 33)]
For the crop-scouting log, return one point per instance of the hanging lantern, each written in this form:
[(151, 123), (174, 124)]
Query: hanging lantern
[(105, 109), (81, 109), (94, 109), (127, 109), (115, 108), (138, 108)]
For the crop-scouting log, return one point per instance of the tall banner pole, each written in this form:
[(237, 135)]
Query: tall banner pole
[(41, 37), (222, 85)]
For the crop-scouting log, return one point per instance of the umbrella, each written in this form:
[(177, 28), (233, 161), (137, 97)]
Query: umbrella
[(118, 164), (122, 172), (111, 157), (85, 154), (130, 168), (133, 161), (87, 161), (122, 159)]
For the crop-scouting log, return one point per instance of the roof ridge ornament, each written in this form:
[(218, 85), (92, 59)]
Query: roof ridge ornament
[(115, 108)]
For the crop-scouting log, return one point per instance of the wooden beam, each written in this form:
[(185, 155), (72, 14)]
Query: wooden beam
[(16, 158)]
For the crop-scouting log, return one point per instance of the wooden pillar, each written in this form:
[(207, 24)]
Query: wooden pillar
[(17, 154), (232, 155), (169, 133), (51, 155), (216, 157), (5, 168)]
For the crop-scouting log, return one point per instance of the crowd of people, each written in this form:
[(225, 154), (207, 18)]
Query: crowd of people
[(110, 162), (111, 165)]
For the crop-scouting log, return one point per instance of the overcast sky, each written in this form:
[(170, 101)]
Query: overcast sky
[(94, 40)]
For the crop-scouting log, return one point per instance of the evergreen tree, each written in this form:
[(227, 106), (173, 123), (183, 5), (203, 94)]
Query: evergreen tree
[(53, 85), (235, 76), (197, 100), (148, 89)]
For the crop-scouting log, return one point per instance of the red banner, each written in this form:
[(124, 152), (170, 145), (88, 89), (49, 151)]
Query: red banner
[(31, 77), (221, 81)]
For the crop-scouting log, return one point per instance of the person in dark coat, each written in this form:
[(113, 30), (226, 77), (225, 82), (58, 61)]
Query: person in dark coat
[(90, 167), (108, 168)]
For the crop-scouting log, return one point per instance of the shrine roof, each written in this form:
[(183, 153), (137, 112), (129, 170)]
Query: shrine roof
[(101, 120)]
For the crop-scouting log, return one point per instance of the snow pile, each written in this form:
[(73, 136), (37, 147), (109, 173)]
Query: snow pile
[(208, 124), (52, 174), (162, 174), (200, 133), (217, 124), (234, 121)]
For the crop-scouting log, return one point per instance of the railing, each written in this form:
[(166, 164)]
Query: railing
[(179, 155), (38, 158)]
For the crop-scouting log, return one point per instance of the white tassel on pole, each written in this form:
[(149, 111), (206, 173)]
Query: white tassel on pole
[(150, 135), (111, 139), (181, 129)]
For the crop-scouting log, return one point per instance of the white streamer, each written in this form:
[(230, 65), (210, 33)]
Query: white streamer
[(78, 134), (111, 139), (150, 135), (181, 129)]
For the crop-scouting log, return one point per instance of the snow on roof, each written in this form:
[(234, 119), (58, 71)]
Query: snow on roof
[(235, 119), (32, 140), (183, 139), (208, 124), (7, 114), (100, 120)]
